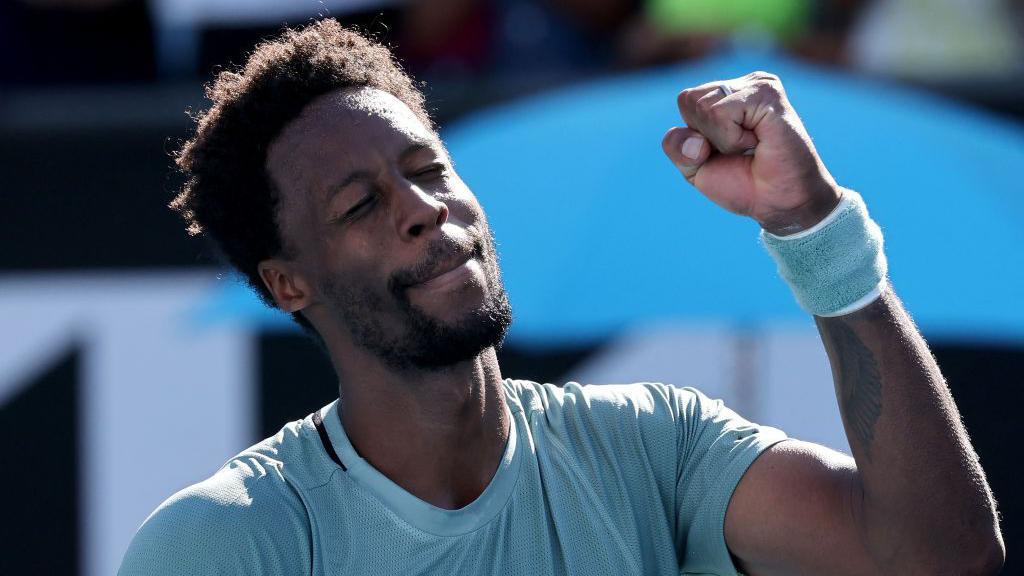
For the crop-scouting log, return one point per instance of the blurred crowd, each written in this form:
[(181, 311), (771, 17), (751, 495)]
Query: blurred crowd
[(475, 51)]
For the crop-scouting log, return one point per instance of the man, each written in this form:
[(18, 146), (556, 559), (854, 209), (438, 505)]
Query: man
[(318, 173)]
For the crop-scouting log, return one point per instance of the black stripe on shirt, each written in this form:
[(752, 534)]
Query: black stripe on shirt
[(326, 440)]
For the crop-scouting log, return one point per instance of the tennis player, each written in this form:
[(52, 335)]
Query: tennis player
[(320, 176)]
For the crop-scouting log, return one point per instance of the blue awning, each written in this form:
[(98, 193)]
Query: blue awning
[(597, 231)]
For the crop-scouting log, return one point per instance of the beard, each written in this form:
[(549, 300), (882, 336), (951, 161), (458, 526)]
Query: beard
[(425, 342)]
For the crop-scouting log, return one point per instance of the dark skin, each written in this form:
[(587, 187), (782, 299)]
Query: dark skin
[(437, 433), (912, 500)]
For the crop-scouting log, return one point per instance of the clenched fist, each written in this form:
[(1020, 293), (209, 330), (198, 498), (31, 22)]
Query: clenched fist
[(748, 152)]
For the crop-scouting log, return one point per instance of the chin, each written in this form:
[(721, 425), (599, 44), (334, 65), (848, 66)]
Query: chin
[(430, 343), (465, 339)]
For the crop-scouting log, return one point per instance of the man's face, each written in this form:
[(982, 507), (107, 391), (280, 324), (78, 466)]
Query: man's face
[(394, 246)]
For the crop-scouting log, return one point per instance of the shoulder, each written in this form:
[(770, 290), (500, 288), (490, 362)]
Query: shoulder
[(641, 400), (651, 415), (682, 419), (247, 518)]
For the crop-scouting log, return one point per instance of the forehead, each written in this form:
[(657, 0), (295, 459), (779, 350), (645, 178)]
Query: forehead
[(342, 130), (355, 106)]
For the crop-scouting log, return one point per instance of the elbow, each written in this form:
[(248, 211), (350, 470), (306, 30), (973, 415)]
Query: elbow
[(991, 562), (992, 550), (987, 560), (976, 547), (979, 555)]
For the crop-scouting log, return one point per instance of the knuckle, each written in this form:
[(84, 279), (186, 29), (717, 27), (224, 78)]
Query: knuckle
[(716, 111), (687, 98), (765, 81), (705, 106), (762, 75), (771, 87)]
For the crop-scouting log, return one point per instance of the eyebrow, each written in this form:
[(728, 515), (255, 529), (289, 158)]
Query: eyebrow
[(366, 175)]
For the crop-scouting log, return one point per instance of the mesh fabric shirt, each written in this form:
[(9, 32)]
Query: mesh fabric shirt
[(601, 479)]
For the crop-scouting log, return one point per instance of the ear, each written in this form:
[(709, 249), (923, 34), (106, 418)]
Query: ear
[(289, 288)]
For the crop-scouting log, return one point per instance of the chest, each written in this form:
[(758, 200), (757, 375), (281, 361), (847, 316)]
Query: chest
[(561, 518)]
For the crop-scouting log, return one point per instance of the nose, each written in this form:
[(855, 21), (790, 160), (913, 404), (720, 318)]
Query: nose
[(418, 212)]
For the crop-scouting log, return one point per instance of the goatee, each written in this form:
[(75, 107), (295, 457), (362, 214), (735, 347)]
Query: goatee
[(427, 343)]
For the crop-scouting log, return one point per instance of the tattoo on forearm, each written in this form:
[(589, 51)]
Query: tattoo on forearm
[(859, 383)]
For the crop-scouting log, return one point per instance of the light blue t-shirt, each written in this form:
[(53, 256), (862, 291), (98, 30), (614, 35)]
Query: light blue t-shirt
[(601, 479)]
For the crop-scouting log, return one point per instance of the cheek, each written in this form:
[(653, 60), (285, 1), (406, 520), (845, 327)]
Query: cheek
[(358, 260), (463, 204), (462, 213)]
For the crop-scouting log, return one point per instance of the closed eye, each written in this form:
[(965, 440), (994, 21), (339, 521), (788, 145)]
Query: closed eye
[(356, 210), (431, 171), (365, 202)]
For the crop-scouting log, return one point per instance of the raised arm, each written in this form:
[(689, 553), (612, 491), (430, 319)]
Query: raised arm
[(914, 499), (921, 495)]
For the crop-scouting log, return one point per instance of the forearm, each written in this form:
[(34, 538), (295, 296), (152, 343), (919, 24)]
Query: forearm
[(922, 500), (922, 503)]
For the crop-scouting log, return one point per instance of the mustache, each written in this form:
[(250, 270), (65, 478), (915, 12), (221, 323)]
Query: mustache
[(439, 253)]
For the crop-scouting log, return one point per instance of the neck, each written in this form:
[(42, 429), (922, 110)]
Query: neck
[(440, 434)]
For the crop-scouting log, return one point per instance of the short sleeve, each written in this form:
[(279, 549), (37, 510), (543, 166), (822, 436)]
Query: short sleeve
[(715, 448), (245, 519)]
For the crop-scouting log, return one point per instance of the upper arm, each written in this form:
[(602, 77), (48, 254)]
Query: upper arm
[(715, 448), (793, 512)]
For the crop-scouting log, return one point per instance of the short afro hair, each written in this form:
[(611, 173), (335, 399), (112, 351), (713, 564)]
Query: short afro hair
[(228, 195)]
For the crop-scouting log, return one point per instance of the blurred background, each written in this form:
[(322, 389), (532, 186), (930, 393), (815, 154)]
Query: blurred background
[(132, 365)]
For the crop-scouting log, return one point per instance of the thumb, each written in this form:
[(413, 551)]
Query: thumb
[(687, 149)]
